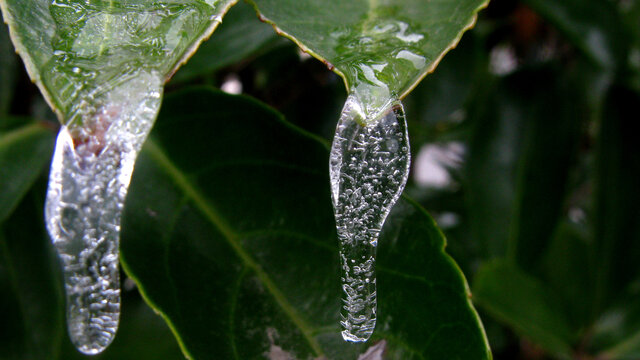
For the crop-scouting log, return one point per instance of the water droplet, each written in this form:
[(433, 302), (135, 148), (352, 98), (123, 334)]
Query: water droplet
[(418, 61), (369, 167), (90, 174)]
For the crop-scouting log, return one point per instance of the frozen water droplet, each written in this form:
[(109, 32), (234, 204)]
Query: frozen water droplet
[(369, 166), (90, 174)]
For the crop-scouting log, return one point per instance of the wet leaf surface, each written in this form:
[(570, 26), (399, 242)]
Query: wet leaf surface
[(77, 51), (370, 42)]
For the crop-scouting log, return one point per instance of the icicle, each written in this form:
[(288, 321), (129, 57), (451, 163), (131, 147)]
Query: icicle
[(90, 174), (369, 166)]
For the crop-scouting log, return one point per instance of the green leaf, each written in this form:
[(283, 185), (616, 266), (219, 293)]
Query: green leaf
[(554, 113), (526, 126), (617, 231), (30, 296), (566, 270), (524, 303), (240, 253), (593, 26), (76, 51), (24, 152), (494, 146), (7, 71), (371, 41), (240, 35)]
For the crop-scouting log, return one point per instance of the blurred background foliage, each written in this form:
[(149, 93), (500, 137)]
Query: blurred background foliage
[(525, 151)]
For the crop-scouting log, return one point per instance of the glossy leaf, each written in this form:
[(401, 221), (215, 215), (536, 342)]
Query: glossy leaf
[(240, 254), (240, 35), (24, 153), (76, 51), (373, 42), (525, 304)]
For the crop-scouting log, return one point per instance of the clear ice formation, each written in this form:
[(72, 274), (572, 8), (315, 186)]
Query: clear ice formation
[(88, 182), (369, 167)]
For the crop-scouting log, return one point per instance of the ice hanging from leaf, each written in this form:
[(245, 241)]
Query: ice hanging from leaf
[(101, 66), (90, 174), (369, 166), (370, 155)]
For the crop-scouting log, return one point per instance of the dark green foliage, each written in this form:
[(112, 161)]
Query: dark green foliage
[(244, 236), (228, 228)]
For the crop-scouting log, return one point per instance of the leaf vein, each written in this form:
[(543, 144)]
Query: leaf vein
[(232, 239)]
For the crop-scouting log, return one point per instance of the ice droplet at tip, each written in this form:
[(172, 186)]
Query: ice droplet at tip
[(369, 167), (90, 173)]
